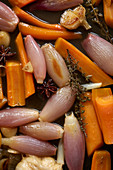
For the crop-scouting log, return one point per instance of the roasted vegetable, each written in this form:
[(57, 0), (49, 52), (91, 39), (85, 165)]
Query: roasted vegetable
[(72, 19)]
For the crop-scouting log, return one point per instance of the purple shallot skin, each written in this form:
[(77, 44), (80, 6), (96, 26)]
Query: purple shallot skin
[(100, 51), (8, 19), (17, 116), (54, 5), (74, 143), (29, 145)]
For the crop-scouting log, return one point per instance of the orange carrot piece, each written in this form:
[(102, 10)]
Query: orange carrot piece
[(108, 13), (1, 89), (28, 77), (104, 107), (3, 102), (46, 34), (15, 84), (20, 3), (108, 2), (94, 138), (96, 2), (101, 92), (24, 16), (101, 160), (87, 66)]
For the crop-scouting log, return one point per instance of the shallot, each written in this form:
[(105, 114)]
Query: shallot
[(29, 145), (8, 19), (54, 5), (36, 57), (100, 51), (42, 130), (56, 65), (58, 104), (74, 143), (17, 116)]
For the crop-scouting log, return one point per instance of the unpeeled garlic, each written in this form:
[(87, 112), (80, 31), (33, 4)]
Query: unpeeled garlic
[(72, 19)]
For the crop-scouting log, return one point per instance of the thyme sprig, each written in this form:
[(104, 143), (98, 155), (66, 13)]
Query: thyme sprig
[(94, 14), (75, 82)]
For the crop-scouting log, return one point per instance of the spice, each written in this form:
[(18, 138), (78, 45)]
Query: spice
[(5, 52), (94, 14), (75, 81), (47, 88)]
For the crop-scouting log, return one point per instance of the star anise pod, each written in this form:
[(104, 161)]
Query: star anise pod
[(4, 53), (47, 88)]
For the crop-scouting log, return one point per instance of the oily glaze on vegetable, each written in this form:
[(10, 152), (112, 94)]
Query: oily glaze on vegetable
[(54, 112)]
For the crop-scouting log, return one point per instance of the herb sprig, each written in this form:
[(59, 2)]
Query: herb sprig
[(96, 16), (75, 82)]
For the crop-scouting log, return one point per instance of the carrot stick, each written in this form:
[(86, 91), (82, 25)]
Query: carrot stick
[(46, 34), (15, 84), (101, 92), (94, 138), (87, 66), (96, 2), (20, 3), (101, 160), (28, 77), (104, 107), (3, 102), (108, 13), (24, 16), (1, 89)]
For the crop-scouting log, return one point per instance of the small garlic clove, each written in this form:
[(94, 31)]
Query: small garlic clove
[(8, 132), (60, 152), (28, 67), (91, 86)]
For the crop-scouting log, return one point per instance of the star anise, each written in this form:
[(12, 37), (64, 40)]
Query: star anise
[(4, 53), (47, 88)]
